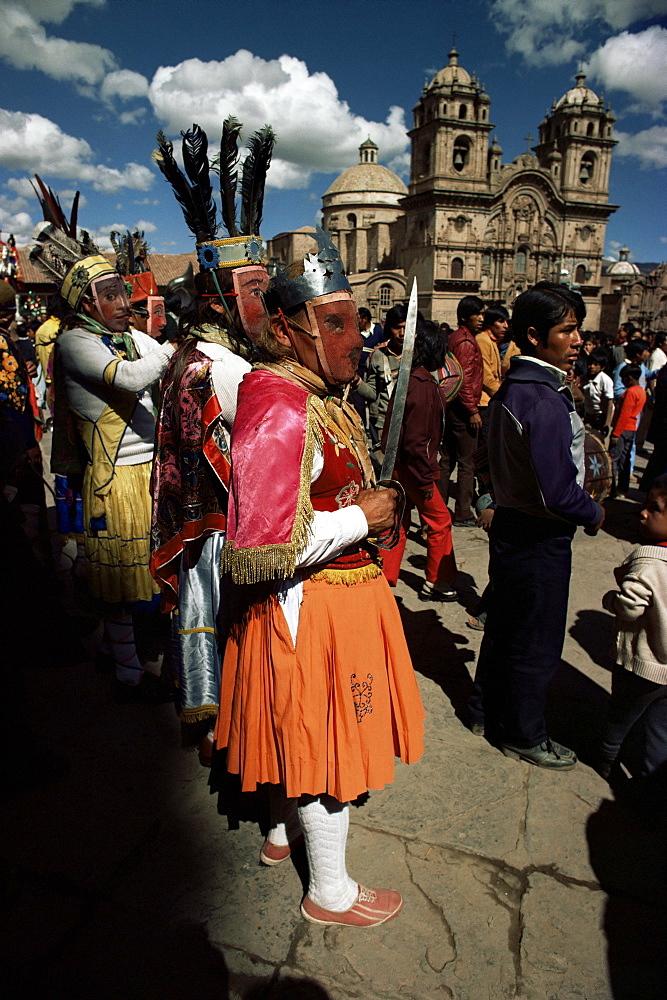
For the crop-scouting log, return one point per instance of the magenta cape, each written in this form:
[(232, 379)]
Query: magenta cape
[(277, 428)]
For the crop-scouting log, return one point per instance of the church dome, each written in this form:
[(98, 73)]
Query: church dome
[(623, 268), (452, 73), (579, 94), (368, 176)]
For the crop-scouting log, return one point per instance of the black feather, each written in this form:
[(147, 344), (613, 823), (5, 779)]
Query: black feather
[(52, 209), (164, 157), (195, 161), (228, 166), (257, 162), (131, 262)]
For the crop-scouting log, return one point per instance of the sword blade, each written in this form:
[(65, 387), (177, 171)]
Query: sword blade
[(401, 390)]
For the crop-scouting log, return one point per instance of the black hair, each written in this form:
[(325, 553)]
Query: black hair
[(395, 316), (659, 486), (542, 307), (599, 356), (495, 314), (630, 327), (469, 306), (632, 371), (659, 338), (364, 313), (429, 346), (634, 348)]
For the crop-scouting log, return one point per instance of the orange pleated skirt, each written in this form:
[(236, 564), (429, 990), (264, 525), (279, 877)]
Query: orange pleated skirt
[(332, 714)]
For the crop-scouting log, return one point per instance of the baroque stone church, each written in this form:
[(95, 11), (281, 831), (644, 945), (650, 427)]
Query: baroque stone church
[(468, 223)]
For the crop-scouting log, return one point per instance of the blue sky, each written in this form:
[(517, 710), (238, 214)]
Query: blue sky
[(87, 83)]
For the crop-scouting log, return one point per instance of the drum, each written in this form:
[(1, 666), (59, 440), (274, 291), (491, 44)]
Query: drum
[(598, 468), (449, 378)]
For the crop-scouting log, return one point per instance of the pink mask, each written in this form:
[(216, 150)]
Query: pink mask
[(157, 316), (334, 322), (250, 283)]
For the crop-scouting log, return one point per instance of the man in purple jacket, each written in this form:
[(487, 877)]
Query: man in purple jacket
[(536, 454)]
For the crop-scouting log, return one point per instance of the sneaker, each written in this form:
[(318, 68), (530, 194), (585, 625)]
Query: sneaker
[(432, 592), (468, 522), (548, 754), (477, 728), (274, 854), (371, 908)]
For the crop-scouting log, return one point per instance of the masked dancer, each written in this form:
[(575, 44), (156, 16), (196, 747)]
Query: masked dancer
[(198, 405), (110, 429), (316, 700)]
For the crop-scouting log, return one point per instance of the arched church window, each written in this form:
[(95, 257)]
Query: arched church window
[(457, 268), (587, 168), (483, 114), (425, 158), (590, 129), (580, 274), (443, 109), (486, 258), (461, 152), (521, 260), (352, 220), (575, 126), (385, 296), (463, 112)]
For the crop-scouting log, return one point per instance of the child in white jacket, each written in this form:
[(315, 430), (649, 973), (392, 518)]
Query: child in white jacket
[(639, 679)]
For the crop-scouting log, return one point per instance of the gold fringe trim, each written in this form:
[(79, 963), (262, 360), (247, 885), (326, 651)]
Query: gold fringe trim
[(199, 714), (359, 574), (269, 562)]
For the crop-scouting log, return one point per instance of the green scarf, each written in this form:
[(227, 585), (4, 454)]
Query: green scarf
[(122, 341)]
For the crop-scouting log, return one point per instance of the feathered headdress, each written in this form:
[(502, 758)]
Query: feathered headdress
[(70, 262), (131, 251), (194, 192)]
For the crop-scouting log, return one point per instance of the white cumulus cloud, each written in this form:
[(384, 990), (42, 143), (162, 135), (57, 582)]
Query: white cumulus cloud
[(316, 130), (649, 146), (548, 32), (146, 227), (24, 44), (33, 143), (635, 63), (55, 11), (124, 84)]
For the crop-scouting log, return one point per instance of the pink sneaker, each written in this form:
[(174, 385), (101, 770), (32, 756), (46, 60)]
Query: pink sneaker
[(371, 908), (275, 854)]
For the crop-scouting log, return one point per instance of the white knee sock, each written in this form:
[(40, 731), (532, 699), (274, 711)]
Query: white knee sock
[(325, 822), (119, 631), (285, 826)]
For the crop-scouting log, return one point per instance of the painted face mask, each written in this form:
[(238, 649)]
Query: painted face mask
[(110, 297), (157, 316), (250, 283), (334, 322)]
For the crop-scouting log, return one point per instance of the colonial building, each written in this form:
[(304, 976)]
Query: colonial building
[(469, 224)]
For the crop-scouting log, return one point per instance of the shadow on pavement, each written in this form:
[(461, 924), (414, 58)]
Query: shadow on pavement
[(626, 842), (593, 631), (575, 710), (436, 654)]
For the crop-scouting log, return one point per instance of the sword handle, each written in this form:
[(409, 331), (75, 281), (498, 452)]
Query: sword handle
[(389, 539)]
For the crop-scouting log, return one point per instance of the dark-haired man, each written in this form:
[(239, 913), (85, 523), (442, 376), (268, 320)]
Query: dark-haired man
[(536, 452), (462, 418), (494, 328)]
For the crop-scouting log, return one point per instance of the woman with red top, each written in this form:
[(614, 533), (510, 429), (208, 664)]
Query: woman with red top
[(418, 471)]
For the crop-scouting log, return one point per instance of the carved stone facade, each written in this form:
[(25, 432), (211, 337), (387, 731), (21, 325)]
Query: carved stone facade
[(470, 224)]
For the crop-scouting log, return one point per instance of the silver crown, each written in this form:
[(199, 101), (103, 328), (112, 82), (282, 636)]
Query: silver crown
[(323, 273)]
